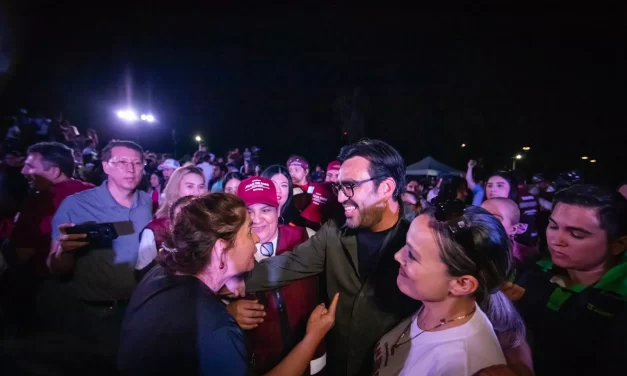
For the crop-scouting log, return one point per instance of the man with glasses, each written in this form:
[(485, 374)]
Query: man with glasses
[(287, 309), (356, 258), (96, 279)]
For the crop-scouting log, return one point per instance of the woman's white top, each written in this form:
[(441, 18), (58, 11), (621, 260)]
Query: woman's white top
[(459, 351)]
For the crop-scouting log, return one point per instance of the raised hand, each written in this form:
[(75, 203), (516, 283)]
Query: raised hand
[(322, 319)]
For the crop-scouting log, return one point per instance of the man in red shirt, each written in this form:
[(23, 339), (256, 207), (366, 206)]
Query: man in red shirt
[(48, 168), (333, 172)]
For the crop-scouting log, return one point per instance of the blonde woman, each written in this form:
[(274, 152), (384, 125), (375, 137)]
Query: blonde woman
[(185, 181)]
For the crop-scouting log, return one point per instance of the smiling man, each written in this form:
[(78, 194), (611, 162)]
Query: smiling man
[(48, 168), (576, 306), (356, 258)]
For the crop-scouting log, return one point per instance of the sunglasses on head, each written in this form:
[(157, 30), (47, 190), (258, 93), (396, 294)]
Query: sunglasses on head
[(451, 214)]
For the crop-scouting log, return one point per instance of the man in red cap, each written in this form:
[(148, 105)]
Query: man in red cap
[(287, 309), (299, 171), (333, 172)]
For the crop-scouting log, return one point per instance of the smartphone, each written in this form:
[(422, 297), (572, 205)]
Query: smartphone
[(96, 232)]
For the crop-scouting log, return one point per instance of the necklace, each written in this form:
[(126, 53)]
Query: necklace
[(441, 323)]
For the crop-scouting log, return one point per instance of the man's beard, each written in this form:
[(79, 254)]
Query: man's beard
[(369, 216)]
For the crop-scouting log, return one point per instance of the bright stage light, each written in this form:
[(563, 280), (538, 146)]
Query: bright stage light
[(128, 115)]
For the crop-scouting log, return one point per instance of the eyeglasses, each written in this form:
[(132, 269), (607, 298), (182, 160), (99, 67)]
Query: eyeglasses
[(348, 188), (123, 165)]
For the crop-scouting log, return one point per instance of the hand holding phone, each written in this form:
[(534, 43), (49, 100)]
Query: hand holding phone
[(70, 242), (94, 232)]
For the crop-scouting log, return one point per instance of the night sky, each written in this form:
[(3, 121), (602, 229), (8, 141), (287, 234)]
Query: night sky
[(427, 79)]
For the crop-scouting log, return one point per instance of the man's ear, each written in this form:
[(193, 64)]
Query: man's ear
[(618, 246), (55, 172), (387, 187), (520, 228), (105, 167)]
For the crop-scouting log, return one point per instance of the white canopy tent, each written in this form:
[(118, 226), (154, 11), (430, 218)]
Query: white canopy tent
[(430, 167)]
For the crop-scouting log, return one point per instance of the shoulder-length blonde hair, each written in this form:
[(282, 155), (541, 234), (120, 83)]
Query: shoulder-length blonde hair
[(171, 191)]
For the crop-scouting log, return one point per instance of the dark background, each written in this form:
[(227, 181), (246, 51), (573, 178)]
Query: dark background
[(426, 79)]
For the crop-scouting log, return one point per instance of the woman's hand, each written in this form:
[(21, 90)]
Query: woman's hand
[(322, 320)]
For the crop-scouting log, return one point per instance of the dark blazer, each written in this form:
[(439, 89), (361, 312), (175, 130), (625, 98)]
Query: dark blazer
[(367, 309)]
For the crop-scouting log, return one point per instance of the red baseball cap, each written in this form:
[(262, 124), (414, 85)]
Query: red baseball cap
[(296, 160), (321, 199), (335, 165), (258, 190)]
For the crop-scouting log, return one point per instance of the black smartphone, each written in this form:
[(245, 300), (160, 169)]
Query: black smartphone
[(96, 232)]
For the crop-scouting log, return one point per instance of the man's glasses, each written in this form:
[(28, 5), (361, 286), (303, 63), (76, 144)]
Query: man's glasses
[(123, 165), (348, 188)]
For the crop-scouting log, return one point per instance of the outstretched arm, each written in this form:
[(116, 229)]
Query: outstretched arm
[(304, 261)]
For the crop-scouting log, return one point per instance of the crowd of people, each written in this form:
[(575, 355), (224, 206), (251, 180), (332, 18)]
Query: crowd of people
[(116, 260)]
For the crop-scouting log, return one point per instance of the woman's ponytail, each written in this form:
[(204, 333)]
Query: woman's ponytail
[(507, 323)]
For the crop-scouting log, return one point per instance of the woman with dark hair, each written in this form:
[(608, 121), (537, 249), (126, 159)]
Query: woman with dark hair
[(282, 180), (502, 184), (176, 323), (157, 184), (454, 261), (231, 182)]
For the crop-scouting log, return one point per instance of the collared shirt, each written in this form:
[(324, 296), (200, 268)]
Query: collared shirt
[(105, 271), (33, 227), (259, 256)]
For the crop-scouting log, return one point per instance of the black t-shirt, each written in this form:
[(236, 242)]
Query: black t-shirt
[(368, 246), (175, 325)]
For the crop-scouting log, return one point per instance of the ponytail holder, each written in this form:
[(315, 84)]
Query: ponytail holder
[(168, 249)]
